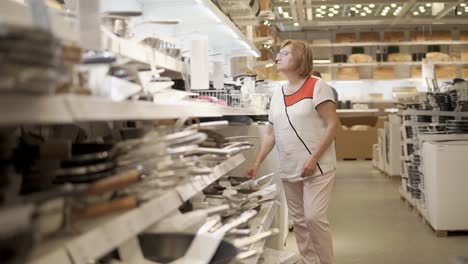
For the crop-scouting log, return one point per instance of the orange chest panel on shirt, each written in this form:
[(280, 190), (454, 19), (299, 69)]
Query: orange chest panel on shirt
[(305, 92)]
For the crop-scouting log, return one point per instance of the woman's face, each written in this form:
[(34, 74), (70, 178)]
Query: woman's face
[(285, 59)]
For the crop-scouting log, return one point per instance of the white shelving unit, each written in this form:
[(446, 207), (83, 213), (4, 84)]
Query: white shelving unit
[(103, 235), (54, 109), (401, 43)]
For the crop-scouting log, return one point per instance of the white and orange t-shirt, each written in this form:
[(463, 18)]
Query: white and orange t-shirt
[(299, 128)]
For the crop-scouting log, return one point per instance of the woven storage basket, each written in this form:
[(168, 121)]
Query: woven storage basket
[(437, 56), (465, 72), (464, 55), (359, 58), (446, 72), (348, 73), (399, 57), (434, 35)]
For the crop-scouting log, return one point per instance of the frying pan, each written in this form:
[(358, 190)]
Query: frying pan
[(127, 154), (167, 247)]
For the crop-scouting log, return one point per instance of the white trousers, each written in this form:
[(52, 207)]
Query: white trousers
[(308, 204)]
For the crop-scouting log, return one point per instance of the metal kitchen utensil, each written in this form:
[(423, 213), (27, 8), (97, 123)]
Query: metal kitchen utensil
[(203, 247), (243, 242)]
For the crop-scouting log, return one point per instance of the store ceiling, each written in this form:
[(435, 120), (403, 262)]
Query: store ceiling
[(303, 15)]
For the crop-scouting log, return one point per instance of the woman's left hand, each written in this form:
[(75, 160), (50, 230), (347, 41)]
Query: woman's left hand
[(309, 167)]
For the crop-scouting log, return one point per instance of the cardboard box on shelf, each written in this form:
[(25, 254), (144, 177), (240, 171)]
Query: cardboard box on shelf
[(394, 36), (345, 37), (356, 136), (370, 36)]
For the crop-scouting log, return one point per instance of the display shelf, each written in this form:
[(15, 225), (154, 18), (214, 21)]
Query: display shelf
[(402, 43), (100, 236), (141, 53), (434, 113), (443, 137), (357, 112), (58, 109), (261, 223), (382, 64)]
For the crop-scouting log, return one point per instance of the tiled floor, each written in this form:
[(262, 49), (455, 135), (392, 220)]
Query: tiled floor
[(371, 225)]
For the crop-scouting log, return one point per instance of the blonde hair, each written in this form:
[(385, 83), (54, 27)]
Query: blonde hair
[(302, 55)]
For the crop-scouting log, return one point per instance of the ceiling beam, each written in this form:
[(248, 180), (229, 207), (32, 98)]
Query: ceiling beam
[(293, 11), (404, 11), (447, 9), (300, 12)]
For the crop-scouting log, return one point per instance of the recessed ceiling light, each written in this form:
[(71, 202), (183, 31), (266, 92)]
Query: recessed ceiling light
[(368, 11), (371, 5), (384, 14), (462, 4), (428, 4), (415, 13), (336, 6), (335, 12), (318, 10), (319, 15), (330, 14), (331, 9), (366, 8), (395, 13), (393, 5), (387, 8), (353, 8), (358, 6), (459, 13), (363, 14), (296, 24), (323, 12), (323, 7)]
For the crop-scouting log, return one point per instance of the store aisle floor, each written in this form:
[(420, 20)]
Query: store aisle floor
[(371, 225)]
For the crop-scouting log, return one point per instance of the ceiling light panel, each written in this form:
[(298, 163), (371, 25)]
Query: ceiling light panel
[(424, 9), (327, 11), (459, 11)]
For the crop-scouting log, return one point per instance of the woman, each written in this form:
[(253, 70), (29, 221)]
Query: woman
[(303, 124)]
